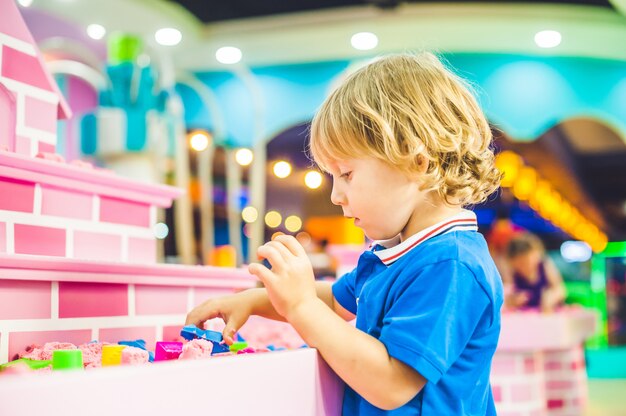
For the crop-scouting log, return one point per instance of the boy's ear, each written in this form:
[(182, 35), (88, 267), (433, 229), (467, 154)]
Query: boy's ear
[(422, 164)]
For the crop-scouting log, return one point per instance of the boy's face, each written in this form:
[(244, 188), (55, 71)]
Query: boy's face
[(379, 197)]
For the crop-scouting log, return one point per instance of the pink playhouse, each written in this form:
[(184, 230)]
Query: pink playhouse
[(71, 233)]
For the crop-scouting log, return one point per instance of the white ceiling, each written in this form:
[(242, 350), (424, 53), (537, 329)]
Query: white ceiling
[(325, 35)]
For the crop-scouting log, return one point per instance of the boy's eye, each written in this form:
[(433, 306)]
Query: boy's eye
[(346, 175)]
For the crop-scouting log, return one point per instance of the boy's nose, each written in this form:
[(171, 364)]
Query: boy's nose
[(336, 196)]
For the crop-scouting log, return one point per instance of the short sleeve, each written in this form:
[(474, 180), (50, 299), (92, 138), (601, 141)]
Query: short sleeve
[(433, 316), (343, 291)]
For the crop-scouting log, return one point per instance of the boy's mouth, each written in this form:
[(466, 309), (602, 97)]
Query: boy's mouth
[(356, 220)]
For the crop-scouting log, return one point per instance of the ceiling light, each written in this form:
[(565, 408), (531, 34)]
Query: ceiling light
[(364, 41), (249, 214), (293, 223), (244, 156), (313, 179), (282, 169), (199, 141), (25, 3), (273, 219), (168, 36), (548, 38), (96, 31), (228, 55)]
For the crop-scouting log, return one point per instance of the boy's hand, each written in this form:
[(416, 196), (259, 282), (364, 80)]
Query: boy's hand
[(233, 309), (290, 283)]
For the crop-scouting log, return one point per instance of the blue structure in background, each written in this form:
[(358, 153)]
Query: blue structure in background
[(523, 95)]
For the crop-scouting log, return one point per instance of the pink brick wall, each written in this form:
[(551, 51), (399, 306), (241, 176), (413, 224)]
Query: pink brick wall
[(202, 294), (3, 237), (540, 383), (566, 381), (44, 241), (518, 381), (22, 195), (45, 148), (97, 246), (112, 335), (92, 299), (40, 115), (124, 212), (142, 250), (171, 333), (24, 68), (8, 117), (19, 340), (23, 299), (157, 300), (22, 145), (63, 203)]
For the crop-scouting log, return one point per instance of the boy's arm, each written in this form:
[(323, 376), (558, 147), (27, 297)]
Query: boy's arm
[(236, 309), (359, 359), (325, 293)]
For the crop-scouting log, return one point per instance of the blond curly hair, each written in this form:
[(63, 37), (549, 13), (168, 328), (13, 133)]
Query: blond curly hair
[(402, 108)]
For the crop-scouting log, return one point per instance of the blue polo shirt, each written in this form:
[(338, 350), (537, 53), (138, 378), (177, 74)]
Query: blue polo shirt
[(434, 301)]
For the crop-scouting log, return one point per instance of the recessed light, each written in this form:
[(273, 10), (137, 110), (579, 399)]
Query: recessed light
[(364, 41), (548, 38), (168, 36), (96, 31), (228, 55)]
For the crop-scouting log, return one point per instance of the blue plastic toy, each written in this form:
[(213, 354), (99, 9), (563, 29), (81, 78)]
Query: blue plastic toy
[(190, 332), (141, 344)]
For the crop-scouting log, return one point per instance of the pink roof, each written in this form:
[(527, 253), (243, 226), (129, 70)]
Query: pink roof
[(13, 25)]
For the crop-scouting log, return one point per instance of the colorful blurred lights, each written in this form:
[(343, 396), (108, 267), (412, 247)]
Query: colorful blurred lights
[(244, 156), (364, 41), (228, 55), (25, 3), (525, 183), (313, 179), (293, 223), (199, 140), (282, 169), (276, 234), (508, 163), (96, 31), (548, 38), (168, 36), (249, 214), (273, 219), (575, 251), (161, 230)]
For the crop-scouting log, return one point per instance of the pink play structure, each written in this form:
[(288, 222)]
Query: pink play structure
[(30, 101), (71, 234), (539, 367), (78, 263)]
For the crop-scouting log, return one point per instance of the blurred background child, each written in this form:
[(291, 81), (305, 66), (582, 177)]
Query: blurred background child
[(531, 279)]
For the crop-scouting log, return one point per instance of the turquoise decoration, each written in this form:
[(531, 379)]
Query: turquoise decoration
[(133, 114)]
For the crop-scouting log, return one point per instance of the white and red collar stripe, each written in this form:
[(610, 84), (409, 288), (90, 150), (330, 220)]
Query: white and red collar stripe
[(464, 221)]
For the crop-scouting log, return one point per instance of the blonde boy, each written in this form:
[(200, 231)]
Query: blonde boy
[(407, 147)]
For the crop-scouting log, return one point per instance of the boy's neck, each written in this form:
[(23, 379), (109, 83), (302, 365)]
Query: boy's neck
[(427, 215)]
